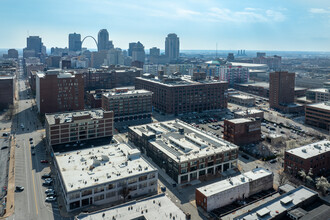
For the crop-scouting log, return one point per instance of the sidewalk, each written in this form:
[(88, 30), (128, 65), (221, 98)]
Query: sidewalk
[(10, 205)]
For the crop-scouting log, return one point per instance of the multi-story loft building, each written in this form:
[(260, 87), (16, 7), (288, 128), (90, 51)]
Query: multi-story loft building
[(241, 131), (243, 100), (318, 95), (58, 91), (183, 151), (315, 156), (110, 77), (128, 105), (7, 90), (227, 191), (181, 94), (227, 72), (318, 115), (67, 127), (168, 69), (107, 174)]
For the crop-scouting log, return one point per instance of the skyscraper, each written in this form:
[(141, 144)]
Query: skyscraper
[(74, 42), (172, 47), (138, 53), (102, 40), (130, 48), (34, 43), (281, 89), (154, 52)]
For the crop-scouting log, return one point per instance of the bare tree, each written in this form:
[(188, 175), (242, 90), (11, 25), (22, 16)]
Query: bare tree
[(322, 184), (282, 178), (302, 174)]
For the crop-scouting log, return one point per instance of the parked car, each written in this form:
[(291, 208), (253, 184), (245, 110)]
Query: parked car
[(32, 146), (53, 194), (31, 139), (47, 183), (43, 161), (50, 199), (49, 191), (4, 147), (6, 134), (45, 176), (33, 152), (273, 161), (19, 188)]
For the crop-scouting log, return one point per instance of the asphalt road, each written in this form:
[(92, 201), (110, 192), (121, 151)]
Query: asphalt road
[(30, 203)]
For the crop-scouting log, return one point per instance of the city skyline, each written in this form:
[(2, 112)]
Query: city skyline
[(253, 25)]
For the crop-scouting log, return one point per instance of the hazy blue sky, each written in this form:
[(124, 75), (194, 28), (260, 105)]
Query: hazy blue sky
[(200, 24)]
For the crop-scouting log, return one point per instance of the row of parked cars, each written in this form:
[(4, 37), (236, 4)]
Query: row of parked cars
[(50, 193)]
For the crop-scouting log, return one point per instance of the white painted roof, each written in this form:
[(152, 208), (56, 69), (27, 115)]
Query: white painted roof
[(279, 205), (242, 96), (311, 150), (321, 105), (110, 162), (190, 145), (155, 207), (223, 185)]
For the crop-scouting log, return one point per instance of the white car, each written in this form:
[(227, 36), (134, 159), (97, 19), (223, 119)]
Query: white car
[(50, 199), (49, 191)]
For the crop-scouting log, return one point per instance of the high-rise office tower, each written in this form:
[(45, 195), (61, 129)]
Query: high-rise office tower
[(34, 43), (138, 53), (130, 48), (172, 47), (154, 52), (74, 42), (281, 89), (103, 40)]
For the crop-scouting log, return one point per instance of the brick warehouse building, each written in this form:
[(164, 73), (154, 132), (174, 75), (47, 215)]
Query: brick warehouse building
[(58, 91), (318, 115), (181, 94), (128, 105), (184, 152), (66, 127), (315, 156), (7, 91), (110, 77), (242, 131)]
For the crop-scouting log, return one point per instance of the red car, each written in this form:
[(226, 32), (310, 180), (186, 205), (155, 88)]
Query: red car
[(43, 161)]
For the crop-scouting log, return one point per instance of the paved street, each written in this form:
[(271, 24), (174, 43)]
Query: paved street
[(30, 203)]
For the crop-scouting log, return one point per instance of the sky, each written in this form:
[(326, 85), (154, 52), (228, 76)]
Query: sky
[(283, 25)]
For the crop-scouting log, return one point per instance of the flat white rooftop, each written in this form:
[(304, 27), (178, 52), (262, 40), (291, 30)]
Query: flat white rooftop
[(241, 120), (322, 105), (99, 165), (249, 111), (127, 93), (242, 97), (155, 207), (311, 150), (223, 185), (279, 205), (191, 144)]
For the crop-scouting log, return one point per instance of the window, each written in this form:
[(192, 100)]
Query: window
[(143, 178), (74, 195), (152, 175), (99, 197), (99, 189), (111, 186), (110, 194), (86, 192), (131, 181)]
